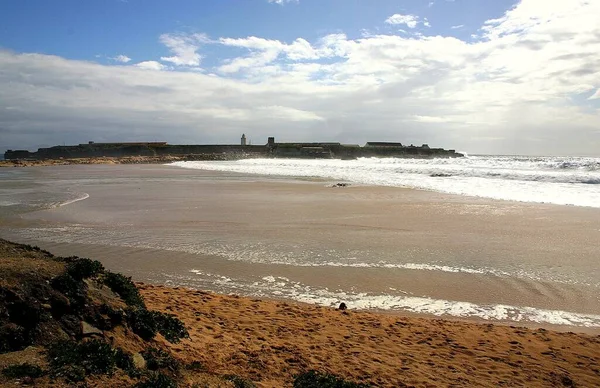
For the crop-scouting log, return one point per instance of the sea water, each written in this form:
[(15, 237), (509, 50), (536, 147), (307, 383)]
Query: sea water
[(555, 180), (192, 227)]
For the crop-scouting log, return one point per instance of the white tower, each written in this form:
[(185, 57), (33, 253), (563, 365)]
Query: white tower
[(243, 139)]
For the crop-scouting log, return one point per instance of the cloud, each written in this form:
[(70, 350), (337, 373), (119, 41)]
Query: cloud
[(457, 27), (411, 21), (150, 65), (184, 47), (121, 58), (523, 87), (282, 2)]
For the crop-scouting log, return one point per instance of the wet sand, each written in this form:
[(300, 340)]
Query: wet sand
[(159, 223), (269, 342)]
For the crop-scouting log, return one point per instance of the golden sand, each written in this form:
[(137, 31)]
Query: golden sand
[(269, 342)]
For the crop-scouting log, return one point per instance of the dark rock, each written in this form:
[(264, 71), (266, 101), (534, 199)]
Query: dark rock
[(70, 324), (342, 306), (60, 304)]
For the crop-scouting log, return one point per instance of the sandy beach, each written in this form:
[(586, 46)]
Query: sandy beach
[(442, 290), (269, 342)]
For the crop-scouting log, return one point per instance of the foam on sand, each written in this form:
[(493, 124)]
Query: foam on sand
[(269, 286)]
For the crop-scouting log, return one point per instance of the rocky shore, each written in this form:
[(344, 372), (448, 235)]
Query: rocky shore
[(162, 159)]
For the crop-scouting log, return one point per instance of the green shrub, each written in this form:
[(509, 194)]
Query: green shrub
[(63, 357), (170, 327), (157, 380), (159, 359), (22, 370), (123, 286), (82, 268), (75, 290), (314, 379), (142, 322), (35, 248), (74, 361), (147, 323), (123, 360), (239, 382), (116, 316), (195, 366), (97, 357)]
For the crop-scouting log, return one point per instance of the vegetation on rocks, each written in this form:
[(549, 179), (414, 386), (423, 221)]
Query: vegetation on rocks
[(61, 306), (157, 380), (239, 382), (315, 379), (125, 288), (74, 360), (159, 359), (22, 370)]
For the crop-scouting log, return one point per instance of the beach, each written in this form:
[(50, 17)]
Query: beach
[(383, 249), (270, 342)]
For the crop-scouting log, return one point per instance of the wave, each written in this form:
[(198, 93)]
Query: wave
[(572, 181), (282, 287)]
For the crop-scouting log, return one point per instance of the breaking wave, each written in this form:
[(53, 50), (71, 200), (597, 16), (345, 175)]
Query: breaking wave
[(554, 180)]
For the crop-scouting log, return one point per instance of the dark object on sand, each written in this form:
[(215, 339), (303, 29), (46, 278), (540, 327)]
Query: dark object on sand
[(315, 379), (340, 185), (342, 306)]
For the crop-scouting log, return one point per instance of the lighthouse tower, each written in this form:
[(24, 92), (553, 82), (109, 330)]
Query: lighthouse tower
[(243, 142)]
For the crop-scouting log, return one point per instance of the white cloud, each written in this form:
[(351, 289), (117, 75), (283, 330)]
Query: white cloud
[(411, 21), (282, 2), (184, 47), (150, 65), (518, 89), (121, 58), (457, 26)]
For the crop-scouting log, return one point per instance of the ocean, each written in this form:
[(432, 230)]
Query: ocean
[(556, 180), (519, 243)]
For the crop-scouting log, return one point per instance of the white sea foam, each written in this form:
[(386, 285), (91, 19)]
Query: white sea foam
[(260, 253), (563, 181), (80, 197), (269, 286)]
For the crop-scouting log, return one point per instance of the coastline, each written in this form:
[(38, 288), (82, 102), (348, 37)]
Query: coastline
[(271, 341), (240, 236), (222, 340), (162, 159)]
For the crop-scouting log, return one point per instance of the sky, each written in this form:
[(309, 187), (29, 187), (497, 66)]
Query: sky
[(480, 76)]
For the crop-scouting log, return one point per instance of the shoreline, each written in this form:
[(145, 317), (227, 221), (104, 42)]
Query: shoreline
[(233, 206), (163, 159), (219, 340), (268, 341), (77, 249)]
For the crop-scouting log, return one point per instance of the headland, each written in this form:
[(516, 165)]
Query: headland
[(162, 152)]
